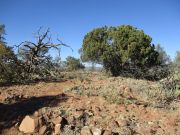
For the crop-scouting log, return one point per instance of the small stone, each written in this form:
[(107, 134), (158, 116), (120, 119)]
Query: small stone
[(28, 125), (89, 112), (36, 114), (160, 131), (113, 124), (96, 109), (96, 131), (150, 123), (144, 130), (78, 114), (107, 132), (127, 89), (71, 120), (41, 121), (122, 123), (126, 131), (42, 130), (86, 131), (57, 129), (57, 120), (68, 130)]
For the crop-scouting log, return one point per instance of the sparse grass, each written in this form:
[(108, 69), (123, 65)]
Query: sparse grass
[(115, 91), (139, 99)]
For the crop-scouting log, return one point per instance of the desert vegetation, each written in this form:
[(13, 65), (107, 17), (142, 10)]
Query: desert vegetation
[(136, 90)]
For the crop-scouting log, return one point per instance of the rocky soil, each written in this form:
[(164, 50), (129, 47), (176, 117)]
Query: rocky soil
[(95, 105)]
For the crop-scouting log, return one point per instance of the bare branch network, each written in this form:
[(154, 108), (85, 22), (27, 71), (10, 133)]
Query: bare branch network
[(35, 53)]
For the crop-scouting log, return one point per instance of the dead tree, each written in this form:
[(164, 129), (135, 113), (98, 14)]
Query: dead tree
[(34, 55)]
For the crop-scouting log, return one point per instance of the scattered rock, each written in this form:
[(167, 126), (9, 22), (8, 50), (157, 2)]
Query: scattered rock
[(84, 115), (107, 132), (69, 130), (57, 120), (127, 92), (160, 131), (89, 112), (113, 124), (127, 131), (96, 131), (122, 123), (71, 120), (96, 108), (78, 114), (41, 121), (127, 89), (82, 120), (42, 130), (28, 124), (86, 131), (178, 97), (144, 130), (57, 129)]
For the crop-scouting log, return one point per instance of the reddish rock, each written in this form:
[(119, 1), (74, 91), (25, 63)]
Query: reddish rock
[(28, 124), (78, 114), (160, 131), (57, 129), (107, 132), (126, 131), (128, 92), (144, 130), (122, 123), (71, 120), (96, 108), (89, 112), (96, 131), (113, 124), (86, 131), (41, 121), (57, 120), (42, 130), (178, 97)]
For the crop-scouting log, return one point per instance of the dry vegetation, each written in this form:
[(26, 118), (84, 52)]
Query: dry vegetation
[(91, 103), (41, 95)]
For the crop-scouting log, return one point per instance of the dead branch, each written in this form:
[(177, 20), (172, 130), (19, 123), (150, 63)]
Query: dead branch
[(35, 53)]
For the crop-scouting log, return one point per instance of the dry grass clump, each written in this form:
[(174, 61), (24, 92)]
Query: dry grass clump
[(122, 90)]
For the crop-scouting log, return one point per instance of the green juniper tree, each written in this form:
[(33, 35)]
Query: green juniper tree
[(73, 63), (8, 60), (121, 49)]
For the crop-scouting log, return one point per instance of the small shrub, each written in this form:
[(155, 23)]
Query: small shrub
[(73, 63)]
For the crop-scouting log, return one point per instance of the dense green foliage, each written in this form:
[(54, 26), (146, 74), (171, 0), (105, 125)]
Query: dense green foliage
[(122, 49), (7, 62), (74, 63), (9, 70)]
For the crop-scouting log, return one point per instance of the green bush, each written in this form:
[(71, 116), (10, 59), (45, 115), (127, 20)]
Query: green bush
[(8, 65), (123, 49), (9, 71), (73, 63)]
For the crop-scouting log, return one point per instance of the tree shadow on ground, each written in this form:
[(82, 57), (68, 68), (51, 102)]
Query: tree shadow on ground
[(10, 114), (32, 82)]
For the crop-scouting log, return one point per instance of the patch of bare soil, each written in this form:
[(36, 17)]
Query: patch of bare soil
[(94, 106)]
